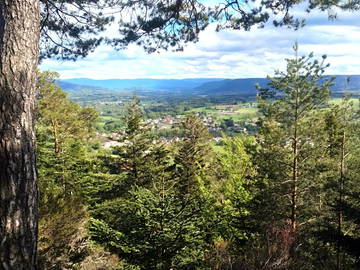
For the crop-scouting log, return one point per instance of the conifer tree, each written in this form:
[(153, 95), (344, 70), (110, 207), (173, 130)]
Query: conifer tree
[(139, 157), (152, 229), (63, 129), (157, 221), (234, 190), (193, 155), (237, 176), (70, 29), (289, 140), (340, 172)]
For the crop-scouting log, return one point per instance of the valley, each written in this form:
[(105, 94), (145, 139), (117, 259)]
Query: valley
[(225, 105)]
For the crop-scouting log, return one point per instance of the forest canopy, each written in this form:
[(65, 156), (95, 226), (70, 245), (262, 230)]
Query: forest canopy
[(286, 198), (67, 29)]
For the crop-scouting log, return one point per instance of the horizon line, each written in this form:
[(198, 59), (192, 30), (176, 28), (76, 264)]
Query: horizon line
[(186, 78)]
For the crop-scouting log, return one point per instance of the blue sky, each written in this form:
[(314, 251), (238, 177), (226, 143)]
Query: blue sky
[(227, 54)]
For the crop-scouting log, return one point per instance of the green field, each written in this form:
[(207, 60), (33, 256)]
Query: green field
[(335, 101), (240, 112), (104, 118)]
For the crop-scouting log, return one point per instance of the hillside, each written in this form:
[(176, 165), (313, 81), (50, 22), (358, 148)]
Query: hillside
[(149, 84), (244, 87), (195, 87)]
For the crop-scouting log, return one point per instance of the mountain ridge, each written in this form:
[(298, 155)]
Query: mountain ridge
[(142, 83), (198, 86)]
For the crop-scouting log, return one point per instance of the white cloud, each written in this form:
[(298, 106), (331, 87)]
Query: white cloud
[(230, 54)]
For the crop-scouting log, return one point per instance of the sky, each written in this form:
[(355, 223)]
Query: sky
[(227, 54)]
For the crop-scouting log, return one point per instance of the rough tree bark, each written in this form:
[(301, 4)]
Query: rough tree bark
[(19, 36)]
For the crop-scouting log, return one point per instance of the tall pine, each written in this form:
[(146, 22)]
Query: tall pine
[(288, 136)]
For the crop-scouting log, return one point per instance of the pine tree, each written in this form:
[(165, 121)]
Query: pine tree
[(63, 130), (64, 163), (152, 229), (233, 188), (163, 222), (340, 172), (289, 141), (193, 155), (237, 176), (68, 30)]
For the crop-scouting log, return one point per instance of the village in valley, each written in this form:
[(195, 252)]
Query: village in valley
[(230, 119)]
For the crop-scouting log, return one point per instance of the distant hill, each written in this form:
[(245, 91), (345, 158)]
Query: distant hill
[(343, 85), (202, 86), (67, 86), (148, 84), (246, 87)]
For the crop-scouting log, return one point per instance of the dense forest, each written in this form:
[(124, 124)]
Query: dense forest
[(286, 197)]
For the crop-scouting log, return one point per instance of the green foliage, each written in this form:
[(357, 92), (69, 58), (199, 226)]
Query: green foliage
[(71, 29), (159, 222), (286, 198), (64, 163), (193, 155), (228, 122), (61, 119), (289, 108), (290, 149), (341, 173), (63, 129), (237, 176), (139, 160), (155, 231)]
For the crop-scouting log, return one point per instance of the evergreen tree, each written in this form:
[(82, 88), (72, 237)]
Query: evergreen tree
[(194, 174), (163, 222), (152, 229), (64, 164), (135, 155), (69, 29), (139, 158), (63, 130), (289, 143), (340, 172), (193, 155), (236, 178)]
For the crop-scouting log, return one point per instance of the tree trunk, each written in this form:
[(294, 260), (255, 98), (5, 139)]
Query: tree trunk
[(294, 186), (19, 38), (341, 193), (295, 167)]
